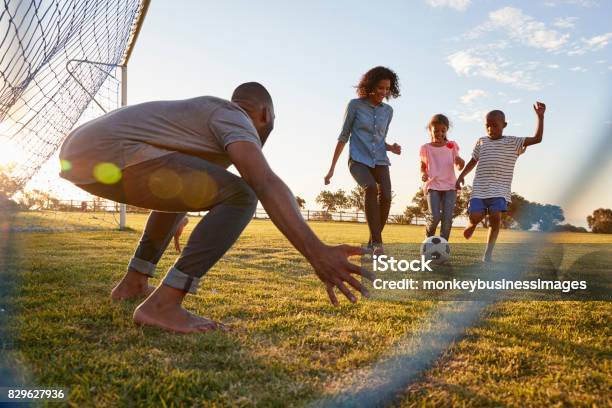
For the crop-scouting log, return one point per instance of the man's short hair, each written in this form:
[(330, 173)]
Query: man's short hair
[(252, 92)]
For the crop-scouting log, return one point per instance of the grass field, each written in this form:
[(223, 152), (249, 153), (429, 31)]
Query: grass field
[(288, 346)]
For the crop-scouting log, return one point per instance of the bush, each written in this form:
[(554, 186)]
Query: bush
[(401, 219), (568, 228), (321, 216)]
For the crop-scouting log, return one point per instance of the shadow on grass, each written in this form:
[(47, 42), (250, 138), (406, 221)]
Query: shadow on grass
[(538, 353), (422, 396), (91, 347), (71, 335), (12, 373)]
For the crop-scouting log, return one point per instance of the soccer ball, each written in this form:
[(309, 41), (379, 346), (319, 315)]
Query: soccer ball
[(436, 249)]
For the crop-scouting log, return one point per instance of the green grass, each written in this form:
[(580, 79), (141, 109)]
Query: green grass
[(288, 346), (32, 221)]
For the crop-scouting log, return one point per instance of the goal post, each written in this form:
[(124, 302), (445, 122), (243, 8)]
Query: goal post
[(124, 78), (123, 207)]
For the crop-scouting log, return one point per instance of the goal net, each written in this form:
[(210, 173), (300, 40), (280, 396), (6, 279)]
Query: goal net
[(59, 66)]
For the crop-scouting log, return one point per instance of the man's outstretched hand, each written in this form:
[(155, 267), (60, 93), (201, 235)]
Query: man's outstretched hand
[(335, 270)]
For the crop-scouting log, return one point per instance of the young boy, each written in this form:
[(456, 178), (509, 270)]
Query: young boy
[(495, 155)]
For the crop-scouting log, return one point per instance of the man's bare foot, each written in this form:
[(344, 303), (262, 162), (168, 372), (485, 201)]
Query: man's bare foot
[(173, 317), (133, 285), (469, 231), (163, 309)]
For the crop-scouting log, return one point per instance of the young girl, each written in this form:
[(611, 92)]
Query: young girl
[(438, 175)]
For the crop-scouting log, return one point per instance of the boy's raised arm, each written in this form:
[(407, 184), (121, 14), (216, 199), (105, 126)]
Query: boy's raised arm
[(539, 109)]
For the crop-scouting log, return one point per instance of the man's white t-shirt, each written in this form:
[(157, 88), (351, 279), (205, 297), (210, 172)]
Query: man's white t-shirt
[(201, 127)]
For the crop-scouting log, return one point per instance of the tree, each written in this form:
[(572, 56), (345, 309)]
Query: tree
[(8, 188), (300, 202), (521, 213), (420, 202), (525, 214), (412, 212), (327, 200), (37, 200), (463, 199), (34, 199), (601, 221), (342, 201), (357, 198), (547, 216), (418, 210), (331, 202), (518, 214)]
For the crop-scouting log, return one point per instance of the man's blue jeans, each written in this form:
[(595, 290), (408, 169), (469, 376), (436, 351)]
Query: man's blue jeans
[(441, 205), (171, 186)]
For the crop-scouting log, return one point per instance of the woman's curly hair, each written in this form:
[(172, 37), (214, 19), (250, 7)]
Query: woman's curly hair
[(371, 78)]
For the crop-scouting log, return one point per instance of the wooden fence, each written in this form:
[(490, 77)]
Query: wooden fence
[(260, 213)]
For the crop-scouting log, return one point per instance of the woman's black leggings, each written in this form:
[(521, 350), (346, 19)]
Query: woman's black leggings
[(377, 184)]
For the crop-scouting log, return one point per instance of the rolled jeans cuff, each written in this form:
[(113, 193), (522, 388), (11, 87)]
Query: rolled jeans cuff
[(180, 280), (142, 266)]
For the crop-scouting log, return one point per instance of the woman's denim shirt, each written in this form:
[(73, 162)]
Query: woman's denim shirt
[(366, 126)]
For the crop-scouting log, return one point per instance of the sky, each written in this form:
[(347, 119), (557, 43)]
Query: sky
[(458, 57)]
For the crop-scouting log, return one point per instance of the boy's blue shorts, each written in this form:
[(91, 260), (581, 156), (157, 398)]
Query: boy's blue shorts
[(487, 205)]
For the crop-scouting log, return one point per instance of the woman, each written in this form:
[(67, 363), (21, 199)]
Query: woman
[(366, 124)]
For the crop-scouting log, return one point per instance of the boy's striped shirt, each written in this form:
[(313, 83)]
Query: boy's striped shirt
[(495, 168)]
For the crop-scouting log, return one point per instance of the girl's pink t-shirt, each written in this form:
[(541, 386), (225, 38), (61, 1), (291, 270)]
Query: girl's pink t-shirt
[(440, 163)]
